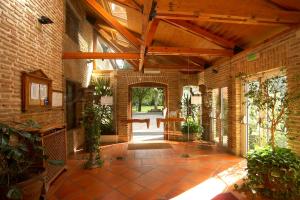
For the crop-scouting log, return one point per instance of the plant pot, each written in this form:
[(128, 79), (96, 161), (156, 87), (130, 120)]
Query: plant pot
[(109, 138), (32, 188)]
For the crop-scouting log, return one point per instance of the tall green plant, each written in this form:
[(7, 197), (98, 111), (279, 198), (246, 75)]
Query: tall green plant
[(92, 123), (271, 97), (103, 88), (188, 109), (272, 171)]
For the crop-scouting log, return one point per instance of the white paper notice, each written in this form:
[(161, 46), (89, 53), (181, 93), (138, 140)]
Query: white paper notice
[(34, 91), (43, 91), (57, 99)]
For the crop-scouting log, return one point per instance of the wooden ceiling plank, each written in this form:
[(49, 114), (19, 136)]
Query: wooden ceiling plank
[(183, 51), (113, 22), (145, 24), (96, 55), (293, 5), (198, 31), (255, 17)]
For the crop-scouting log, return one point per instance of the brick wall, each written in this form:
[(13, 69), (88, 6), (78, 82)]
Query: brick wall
[(27, 46), (282, 51)]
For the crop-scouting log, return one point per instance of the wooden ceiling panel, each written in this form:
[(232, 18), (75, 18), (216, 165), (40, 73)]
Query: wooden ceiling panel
[(256, 21), (287, 4), (174, 37), (227, 11), (134, 20), (243, 37)]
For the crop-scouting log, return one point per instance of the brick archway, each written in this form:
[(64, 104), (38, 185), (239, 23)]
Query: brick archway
[(144, 84)]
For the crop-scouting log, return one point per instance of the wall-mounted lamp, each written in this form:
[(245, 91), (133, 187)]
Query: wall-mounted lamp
[(215, 71), (45, 20)]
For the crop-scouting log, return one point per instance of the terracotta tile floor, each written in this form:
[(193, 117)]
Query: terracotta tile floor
[(150, 174)]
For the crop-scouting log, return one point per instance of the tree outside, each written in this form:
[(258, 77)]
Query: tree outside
[(145, 99)]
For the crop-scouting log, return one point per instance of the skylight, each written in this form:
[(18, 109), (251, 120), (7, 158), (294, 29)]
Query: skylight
[(118, 11), (121, 40)]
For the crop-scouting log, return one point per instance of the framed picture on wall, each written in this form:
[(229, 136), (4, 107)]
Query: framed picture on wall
[(36, 91)]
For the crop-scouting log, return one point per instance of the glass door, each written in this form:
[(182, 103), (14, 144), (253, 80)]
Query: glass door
[(224, 116), (213, 115), (253, 128)]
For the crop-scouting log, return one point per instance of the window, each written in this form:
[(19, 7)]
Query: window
[(214, 114), (121, 40), (224, 116), (118, 11), (72, 24), (258, 121), (71, 104)]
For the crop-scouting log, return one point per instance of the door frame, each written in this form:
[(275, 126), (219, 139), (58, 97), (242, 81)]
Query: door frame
[(142, 85), (259, 76)]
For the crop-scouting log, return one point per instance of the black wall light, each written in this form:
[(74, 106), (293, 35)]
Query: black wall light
[(215, 71), (45, 20)]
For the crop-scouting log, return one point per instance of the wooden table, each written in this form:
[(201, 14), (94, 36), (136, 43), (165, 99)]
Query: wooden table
[(169, 120), (131, 121)]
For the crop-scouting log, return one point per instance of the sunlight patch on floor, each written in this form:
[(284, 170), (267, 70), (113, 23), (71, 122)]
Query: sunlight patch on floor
[(215, 185)]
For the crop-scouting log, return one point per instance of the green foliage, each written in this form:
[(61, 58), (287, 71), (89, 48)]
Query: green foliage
[(191, 126), (274, 173), (270, 103), (188, 109), (92, 123), (146, 109), (147, 96), (20, 151), (102, 88)]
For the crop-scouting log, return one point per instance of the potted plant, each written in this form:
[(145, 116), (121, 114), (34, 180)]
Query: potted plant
[(21, 154), (190, 114), (192, 127), (103, 89), (92, 123), (273, 171)]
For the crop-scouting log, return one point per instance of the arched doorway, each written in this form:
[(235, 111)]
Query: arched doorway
[(141, 109)]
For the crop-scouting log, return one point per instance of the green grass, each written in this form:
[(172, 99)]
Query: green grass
[(146, 108)]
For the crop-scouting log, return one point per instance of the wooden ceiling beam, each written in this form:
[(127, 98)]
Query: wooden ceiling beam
[(200, 32), (146, 28), (94, 55), (183, 51), (96, 7), (151, 29), (255, 17), (178, 67)]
